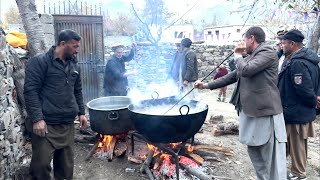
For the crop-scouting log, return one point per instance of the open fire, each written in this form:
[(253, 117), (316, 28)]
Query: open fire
[(111, 145), (176, 160)]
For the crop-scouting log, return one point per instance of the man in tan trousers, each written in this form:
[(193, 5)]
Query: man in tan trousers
[(298, 85)]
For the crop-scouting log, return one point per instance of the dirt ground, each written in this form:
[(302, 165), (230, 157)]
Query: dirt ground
[(237, 167)]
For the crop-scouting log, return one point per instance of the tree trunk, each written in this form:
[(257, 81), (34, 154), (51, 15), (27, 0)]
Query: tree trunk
[(313, 40), (32, 26)]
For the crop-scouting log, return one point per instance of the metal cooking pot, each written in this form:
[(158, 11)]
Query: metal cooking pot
[(109, 115), (168, 128)]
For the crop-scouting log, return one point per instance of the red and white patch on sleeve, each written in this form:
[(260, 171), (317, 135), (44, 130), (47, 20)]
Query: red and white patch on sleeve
[(298, 79)]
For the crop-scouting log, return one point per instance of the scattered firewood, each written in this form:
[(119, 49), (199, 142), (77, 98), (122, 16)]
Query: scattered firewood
[(87, 131), (216, 118), (120, 149), (135, 159), (225, 128), (204, 152), (192, 168), (207, 158), (92, 151), (111, 148), (214, 148), (221, 178), (196, 158), (79, 138)]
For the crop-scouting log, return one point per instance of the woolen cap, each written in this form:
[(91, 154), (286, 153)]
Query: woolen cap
[(186, 42), (293, 35)]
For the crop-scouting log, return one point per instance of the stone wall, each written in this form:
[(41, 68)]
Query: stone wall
[(153, 66), (12, 127), (48, 28)]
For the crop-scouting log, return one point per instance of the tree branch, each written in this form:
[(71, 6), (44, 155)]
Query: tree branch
[(254, 3), (148, 33), (181, 16)]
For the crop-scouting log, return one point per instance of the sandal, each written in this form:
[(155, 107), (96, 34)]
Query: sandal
[(294, 177)]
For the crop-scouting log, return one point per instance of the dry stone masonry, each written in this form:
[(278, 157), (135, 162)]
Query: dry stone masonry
[(12, 127)]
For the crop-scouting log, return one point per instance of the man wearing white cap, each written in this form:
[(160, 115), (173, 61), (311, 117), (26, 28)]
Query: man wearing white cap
[(115, 75)]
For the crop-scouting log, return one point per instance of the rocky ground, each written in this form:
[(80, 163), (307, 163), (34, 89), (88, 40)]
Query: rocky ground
[(237, 166)]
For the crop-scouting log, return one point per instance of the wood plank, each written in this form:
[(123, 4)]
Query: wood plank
[(196, 158), (135, 159), (214, 148)]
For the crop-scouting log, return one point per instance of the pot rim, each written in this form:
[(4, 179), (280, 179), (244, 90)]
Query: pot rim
[(108, 97), (206, 107)]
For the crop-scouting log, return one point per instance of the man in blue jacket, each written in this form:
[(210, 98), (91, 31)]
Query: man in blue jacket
[(298, 85)]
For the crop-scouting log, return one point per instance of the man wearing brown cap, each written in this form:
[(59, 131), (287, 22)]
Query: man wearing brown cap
[(298, 85), (189, 68)]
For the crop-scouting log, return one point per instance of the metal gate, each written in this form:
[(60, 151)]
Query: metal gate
[(90, 28)]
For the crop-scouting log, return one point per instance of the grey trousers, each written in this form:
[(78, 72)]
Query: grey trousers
[(269, 160)]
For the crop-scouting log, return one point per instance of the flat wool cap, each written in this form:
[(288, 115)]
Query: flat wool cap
[(293, 35)]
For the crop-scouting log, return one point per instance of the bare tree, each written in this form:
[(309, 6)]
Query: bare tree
[(285, 13), (122, 24), (32, 26), (155, 18), (12, 16)]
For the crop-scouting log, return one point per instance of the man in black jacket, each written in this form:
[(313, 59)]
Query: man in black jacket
[(115, 74), (53, 96), (298, 85)]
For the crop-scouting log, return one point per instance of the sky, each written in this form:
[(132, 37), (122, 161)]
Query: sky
[(204, 9)]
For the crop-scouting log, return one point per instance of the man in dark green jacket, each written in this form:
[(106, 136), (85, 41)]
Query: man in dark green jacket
[(189, 68), (53, 95)]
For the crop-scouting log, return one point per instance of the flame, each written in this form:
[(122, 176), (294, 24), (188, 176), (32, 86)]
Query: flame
[(106, 140), (174, 145), (190, 148), (165, 156), (153, 148)]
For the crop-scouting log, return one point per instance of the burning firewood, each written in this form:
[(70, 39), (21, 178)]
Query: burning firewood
[(225, 128), (167, 168), (111, 149), (193, 168), (120, 149)]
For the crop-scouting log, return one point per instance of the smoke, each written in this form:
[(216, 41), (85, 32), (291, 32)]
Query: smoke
[(154, 91)]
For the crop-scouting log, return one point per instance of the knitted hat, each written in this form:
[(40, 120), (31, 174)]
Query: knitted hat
[(186, 42)]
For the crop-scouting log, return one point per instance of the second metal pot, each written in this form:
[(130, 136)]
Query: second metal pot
[(109, 115)]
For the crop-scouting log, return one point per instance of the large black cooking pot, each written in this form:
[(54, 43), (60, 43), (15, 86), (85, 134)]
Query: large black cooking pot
[(178, 125), (109, 115)]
